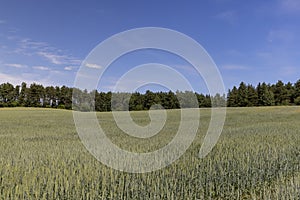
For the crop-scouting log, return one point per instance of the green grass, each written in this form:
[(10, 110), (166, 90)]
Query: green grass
[(256, 157)]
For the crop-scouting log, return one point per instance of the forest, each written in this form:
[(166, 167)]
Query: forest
[(245, 95)]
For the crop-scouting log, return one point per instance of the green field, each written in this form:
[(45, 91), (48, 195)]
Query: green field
[(256, 157)]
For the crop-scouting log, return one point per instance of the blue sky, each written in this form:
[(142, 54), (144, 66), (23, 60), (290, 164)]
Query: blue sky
[(251, 41)]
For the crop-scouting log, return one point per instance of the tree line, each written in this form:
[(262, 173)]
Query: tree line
[(36, 95), (264, 94)]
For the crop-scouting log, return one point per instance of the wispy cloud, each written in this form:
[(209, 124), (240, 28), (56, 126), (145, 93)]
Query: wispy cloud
[(53, 55), (235, 67), (43, 68), (280, 36), (288, 71), (58, 59), (17, 79), (290, 6), (264, 54), (55, 59), (25, 46), (15, 65), (69, 68), (93, 66), (234, 53), (11, 79), (227, 16), (29, 44)]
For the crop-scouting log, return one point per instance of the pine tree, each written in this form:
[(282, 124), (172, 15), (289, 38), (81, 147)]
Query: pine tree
[(297, 89), (242, 98), (265, 95), (7, 94), (280, 93), (252, 96), (232, 97), (290, 93)]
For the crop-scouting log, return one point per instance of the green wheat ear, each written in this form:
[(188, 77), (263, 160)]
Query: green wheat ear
[(256, 157)]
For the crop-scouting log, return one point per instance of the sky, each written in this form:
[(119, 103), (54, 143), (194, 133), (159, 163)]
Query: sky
[(251, 41)]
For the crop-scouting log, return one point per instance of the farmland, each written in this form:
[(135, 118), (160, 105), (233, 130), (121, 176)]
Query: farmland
[(256, 157)]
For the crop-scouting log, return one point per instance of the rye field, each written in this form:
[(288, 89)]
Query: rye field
[(256, 157)]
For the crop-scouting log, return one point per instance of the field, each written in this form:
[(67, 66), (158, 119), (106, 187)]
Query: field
[(256, 157)]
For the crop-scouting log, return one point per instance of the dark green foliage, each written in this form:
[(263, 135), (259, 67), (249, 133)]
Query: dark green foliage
[(280, 94), (35, 96), (264, 95), (232, 98), (7, 94), (296, 93), (242, 97), (252, 96), (61, 97), (218, 100), (297, 101)]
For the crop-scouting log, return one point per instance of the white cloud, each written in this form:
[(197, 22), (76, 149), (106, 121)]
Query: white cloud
[(19, 78), (2, 21), (54, 55), (68, 68), (10, 79), (288, 71), (264, 54), (54, 59), (235, 67), (58, 59), (280, 35), (290, 5), (41, 68), (30, 48), (15, 65), (227, 16), (93, 66), (29, 44), (26, 46)]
